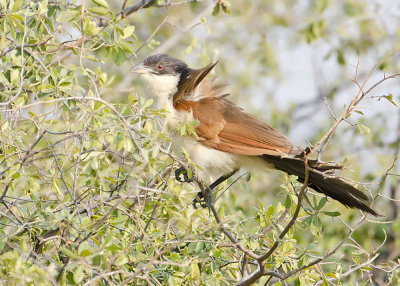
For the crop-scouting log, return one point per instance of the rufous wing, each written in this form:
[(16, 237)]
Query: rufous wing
[(226, 127)]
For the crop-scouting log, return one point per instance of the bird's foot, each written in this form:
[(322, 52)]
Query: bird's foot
[(204, 200), (182, 172), (199, 199), (304, 153)]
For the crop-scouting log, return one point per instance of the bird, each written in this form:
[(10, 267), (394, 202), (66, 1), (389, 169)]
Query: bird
[(228, 138)]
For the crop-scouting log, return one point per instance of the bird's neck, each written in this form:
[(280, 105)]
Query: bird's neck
[(162, 89)]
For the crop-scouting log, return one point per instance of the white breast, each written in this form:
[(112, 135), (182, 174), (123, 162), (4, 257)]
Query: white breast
[(212, 163)]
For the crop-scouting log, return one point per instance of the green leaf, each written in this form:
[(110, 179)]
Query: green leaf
[(270, 211), (153, 43), (128, 31), (390, 99), (118, 55), (101, 3), (99, 10), (148, 103), (84, 249), (43, 6), (68, 252), (14, 76), (195, 123), (78, 274), (90, 28), (67, 16), (131, 99), (316, 226), (332, 214), (97, 105), (329, 274), (307, 221), (363, 129), (16, 176), (51, 11), (121, 260), (16, 6), (216, 10), (189, 173), (126, 47), (225, 8), (288, 202), (194, 271), (96, 260), (324, 283), (321, 203), (3, 79), (316, 221), (340, 58), (139, 247)]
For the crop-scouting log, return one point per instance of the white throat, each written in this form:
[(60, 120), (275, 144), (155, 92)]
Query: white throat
[(161, 89)]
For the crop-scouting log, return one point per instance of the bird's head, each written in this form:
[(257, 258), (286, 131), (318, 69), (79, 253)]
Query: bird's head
[(161, 73)]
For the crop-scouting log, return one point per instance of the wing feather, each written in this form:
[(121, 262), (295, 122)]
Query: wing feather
[(226, 127), (190, 80)]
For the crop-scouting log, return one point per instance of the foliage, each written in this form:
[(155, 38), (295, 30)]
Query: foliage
[(87, 191)]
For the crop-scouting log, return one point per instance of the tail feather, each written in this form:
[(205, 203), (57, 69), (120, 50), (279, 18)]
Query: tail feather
[(331, 186)]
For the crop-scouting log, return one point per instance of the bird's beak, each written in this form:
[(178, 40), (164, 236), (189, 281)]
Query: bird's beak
[(140, 68)]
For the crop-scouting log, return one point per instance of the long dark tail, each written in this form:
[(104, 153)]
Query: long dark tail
[(331, 186)]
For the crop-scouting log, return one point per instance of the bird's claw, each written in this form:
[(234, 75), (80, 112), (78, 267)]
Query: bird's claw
[(199, 199), (204, 200), (182, 171)]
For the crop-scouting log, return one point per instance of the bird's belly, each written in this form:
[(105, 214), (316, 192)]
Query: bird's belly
[(212, 163)]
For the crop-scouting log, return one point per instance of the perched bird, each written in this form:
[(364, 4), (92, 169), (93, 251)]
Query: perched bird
[(228, 138)]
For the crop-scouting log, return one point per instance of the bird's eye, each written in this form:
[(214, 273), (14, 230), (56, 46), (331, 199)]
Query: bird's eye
[(160, 67)]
